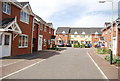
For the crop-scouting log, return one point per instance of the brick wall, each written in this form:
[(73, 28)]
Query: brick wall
[(35, 37), (118, 47), (107, 35), (94, 39), (26, 29), (46, 35)]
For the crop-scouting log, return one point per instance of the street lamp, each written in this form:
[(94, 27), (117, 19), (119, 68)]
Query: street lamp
[(103, 1)]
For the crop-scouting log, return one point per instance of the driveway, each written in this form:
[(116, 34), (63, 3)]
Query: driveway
[(73, 63)]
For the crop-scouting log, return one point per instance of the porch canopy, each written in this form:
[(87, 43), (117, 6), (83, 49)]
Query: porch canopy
[(10, 24)]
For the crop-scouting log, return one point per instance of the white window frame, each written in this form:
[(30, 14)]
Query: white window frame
[(75, 36), (88, 36), (96, 35), (45, 42), (25, 20), (111, 30), (45, 29), (41, 27), (49, 30), (83, 35), (25, 40), (6, 10), (49, 42), (1, 37)]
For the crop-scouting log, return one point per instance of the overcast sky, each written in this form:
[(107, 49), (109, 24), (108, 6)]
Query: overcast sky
[(74, 13)]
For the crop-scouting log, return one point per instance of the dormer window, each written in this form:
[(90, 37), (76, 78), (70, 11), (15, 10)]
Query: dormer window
[(6, 8), (24, 17), (63, 33), (83, 34), (96, 34)]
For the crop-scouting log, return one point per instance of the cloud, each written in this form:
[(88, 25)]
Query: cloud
[(73, 12)]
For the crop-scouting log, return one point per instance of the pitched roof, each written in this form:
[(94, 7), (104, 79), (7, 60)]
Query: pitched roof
[(5, 22), (24, 3), (63, 29), (86, 30)]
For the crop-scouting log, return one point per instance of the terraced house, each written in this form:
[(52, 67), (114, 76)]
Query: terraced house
[(81, 35), (43, 34), (17, 29), (62, 35), (112, 36)]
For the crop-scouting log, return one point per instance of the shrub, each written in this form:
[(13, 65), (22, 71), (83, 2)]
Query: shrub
[(114, 60), (101, 51), (82, 46), (107, 57), (76, 46), (109, 51), (53, 48)]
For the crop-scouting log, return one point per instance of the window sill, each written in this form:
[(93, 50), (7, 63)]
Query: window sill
[(23, 46), (6, 13), (24, 22)]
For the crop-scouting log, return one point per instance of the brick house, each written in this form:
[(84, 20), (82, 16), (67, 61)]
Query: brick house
[(62, 35), (17, 17), (109, 34), (86, 35), (75, 35), (43, 34), (117, 24), (21, 31)]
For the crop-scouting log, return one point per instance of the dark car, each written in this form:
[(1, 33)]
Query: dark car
[(61, 45), (87, 45), (99, 45), (68, 45)]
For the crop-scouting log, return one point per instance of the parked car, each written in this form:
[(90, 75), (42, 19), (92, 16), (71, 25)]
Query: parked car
[(61, 45), (99, 45), (87, 45), (68, 45), (102, 45)]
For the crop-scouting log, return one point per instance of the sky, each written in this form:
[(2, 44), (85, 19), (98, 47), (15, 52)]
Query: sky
[(74, 13)]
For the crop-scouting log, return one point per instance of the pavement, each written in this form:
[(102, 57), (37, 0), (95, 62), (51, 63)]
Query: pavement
[(12, 64), (111, 71), (72, 63)]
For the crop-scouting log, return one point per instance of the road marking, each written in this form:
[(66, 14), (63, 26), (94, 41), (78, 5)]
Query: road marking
[(98, 67), (12, 63), (22, 69)]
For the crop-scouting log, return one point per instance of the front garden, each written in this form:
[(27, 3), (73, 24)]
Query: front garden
[(79, 46), (115, 59)]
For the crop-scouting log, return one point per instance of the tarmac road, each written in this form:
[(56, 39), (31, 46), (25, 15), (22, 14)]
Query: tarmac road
[(73, 63)]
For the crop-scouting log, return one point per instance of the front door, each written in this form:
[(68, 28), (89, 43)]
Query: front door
[(6, 45), (40, 43)]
